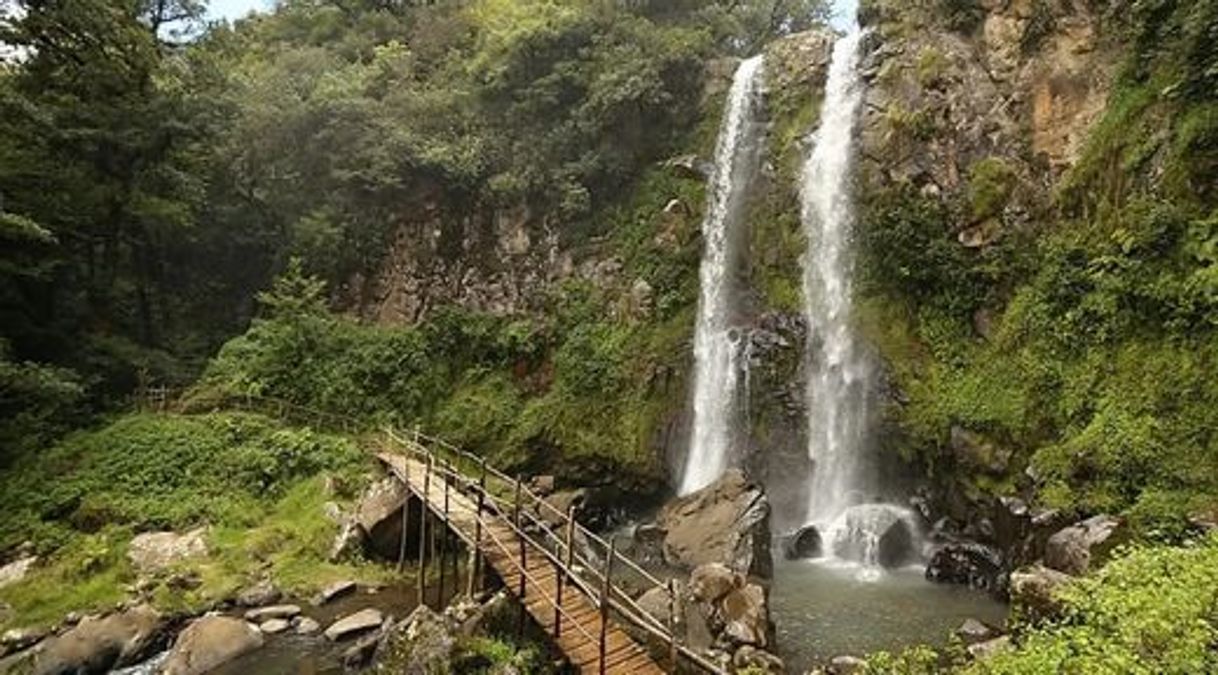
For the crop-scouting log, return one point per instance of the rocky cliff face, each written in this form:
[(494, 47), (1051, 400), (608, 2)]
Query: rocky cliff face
[(986, 109)]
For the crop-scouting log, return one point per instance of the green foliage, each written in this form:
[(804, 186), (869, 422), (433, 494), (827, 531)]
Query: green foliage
[(1150, 611), (991, 182), (160, 471), (37, 403), (1086, 346)]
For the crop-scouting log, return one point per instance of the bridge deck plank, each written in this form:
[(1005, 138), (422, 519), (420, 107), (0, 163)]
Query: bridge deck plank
[(581, 618)]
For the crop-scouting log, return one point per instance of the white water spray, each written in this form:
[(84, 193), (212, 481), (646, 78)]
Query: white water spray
[(717, 348), (839, 374)]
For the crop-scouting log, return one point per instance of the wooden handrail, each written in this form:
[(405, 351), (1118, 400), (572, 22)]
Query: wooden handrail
[(616, 598)]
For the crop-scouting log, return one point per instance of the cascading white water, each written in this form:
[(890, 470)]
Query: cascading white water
[(839, 373), (716, 342)]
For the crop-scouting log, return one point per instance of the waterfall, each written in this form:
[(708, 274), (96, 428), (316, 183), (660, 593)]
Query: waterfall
[(717, 343), (839, 385)]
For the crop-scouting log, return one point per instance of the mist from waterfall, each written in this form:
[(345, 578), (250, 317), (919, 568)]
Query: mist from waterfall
[(840, 374), (717, 343)]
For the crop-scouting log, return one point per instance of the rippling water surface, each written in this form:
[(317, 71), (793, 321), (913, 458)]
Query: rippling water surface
[(824, 610)]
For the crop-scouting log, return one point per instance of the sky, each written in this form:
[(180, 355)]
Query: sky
[(234, 9)]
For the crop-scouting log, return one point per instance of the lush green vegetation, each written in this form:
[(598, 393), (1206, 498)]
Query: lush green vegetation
[(1151, 610), (257, 485), (1087, 342)]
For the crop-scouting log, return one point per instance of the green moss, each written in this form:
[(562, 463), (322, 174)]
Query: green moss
[(991, 184), (932, 64)]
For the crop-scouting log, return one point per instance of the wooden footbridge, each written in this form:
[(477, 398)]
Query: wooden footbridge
[(574, 584)]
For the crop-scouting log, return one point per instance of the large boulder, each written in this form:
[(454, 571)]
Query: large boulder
[(967, 563), (156, 551), (209, 642), (1076, 549), (805, 543), (378, 517), (97, 645), (726, 522)]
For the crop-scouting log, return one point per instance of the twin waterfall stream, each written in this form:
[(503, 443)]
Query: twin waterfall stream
[(839, 373), (863, 590)]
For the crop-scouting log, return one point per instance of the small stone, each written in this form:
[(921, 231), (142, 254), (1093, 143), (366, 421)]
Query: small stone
[(274, 626), (307, 626), (972, 631), (984, 650), (273, 612), (354, 624), (846, 665), (260, 594), (16, 639), (334, 591), (16, 570)]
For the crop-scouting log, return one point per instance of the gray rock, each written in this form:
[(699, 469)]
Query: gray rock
[(753, 659), (16, 570), (355, 624), (259, 595), (16, 639), (846, 665), (334, 591), (359, 654), (745, 616), (726, 522), (1034, 591), (805, 543), (972, 631), (97, 645), (156, 551), (274, 626), (1080, 547), (424, 643), (209, 642), (379, 517), (306, 626), (273, 612), (984, 650)]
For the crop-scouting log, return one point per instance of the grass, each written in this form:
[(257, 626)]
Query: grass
[(261, 489)]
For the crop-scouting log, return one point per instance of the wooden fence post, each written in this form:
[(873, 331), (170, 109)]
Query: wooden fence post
[(422, 599), (523, 560), (476, 567), (674, 604), (605, 590), (568, 560), (405, 520), (444, 534)]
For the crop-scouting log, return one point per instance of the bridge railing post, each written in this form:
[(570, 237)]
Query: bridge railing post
[(422, 581), (674, 604), (443, 536), (523, 559), (568, 559), (476, 568), (605, 590), (405, 519)]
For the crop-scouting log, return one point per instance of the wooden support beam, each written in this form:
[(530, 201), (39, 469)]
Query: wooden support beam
[(605, 589)]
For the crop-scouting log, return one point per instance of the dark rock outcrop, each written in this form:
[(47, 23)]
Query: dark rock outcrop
[(726, 522), (968, 563), (1034, 592), (805, 543)]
